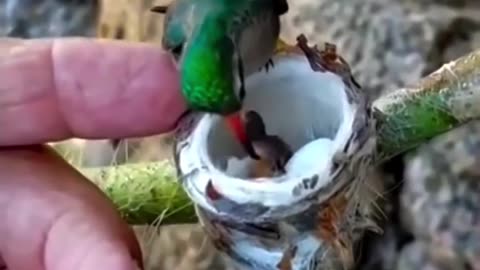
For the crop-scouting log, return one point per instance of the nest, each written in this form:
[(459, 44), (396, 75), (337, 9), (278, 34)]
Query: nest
[(310, 100)]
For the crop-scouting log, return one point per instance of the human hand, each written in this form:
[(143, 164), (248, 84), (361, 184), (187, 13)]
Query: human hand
[(52, 217)]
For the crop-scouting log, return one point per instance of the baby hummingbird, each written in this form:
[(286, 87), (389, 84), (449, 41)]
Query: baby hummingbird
[(269, 148)]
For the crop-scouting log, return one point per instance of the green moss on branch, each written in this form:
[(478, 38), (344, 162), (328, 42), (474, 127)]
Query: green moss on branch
[(441, 101), (145, 192)]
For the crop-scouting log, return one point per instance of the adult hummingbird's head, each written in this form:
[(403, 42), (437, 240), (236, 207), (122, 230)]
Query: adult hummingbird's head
[(175, 28), (197, 36)]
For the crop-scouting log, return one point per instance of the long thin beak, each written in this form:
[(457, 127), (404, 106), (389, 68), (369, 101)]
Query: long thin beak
[(159, 9)]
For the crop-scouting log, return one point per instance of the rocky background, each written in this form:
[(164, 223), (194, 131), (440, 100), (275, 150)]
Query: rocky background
[(433, 209)]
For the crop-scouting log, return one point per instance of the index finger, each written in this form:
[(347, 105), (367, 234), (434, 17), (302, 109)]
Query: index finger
[(55, 89)]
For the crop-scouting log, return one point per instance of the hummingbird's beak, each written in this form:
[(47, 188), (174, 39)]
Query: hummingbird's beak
[(159, 9)]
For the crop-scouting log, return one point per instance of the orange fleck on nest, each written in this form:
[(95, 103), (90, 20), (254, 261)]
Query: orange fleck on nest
[(286, 260), (328, 230), (329, 217)]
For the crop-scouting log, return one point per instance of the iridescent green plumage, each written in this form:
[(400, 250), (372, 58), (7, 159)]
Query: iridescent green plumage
[(206, 70), (217, 43)]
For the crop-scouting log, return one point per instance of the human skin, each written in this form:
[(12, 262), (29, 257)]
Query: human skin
[(52, 217)]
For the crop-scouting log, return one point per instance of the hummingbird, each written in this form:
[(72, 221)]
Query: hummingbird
[(269, 148), (216, 44)]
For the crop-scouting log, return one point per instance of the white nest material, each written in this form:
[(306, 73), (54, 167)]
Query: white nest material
[(308, 109)]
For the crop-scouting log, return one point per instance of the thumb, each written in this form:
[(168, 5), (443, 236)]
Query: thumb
[(54, 219)]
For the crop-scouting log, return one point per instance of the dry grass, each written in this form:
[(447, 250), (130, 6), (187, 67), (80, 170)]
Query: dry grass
[(130, 20)]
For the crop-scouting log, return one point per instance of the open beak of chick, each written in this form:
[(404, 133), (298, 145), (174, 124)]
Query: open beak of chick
[(271, 152)]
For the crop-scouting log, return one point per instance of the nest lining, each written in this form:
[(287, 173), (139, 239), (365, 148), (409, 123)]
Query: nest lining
[(296, 103), (305, 108)]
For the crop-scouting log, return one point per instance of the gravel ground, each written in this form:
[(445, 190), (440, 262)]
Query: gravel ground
[(389, 43), (48, 18)]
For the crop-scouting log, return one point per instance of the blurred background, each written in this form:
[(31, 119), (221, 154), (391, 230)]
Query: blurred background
[(430, 223)]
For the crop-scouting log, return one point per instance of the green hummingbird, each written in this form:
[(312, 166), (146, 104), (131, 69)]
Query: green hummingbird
[(217, 43)]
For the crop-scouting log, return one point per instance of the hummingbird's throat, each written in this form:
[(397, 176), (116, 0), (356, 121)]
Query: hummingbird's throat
[(237, 127)]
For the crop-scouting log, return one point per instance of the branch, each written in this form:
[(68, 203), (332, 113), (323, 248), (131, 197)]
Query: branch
[(445, 99), (145, 192), (406, 118)]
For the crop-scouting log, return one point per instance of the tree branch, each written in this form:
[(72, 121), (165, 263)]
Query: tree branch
[(145, 192), (445, 99), (406, 118)]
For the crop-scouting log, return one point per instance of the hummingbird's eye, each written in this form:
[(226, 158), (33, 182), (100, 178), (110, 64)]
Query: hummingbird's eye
[(177, 51)]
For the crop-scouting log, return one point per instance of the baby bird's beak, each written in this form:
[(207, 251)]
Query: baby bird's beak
[(271, 150)]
